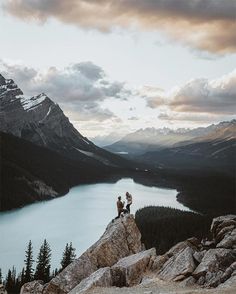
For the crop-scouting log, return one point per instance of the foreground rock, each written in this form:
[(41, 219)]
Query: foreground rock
[(121, 238), (116, 260), (101, 278), (129, 270), (208, 264)]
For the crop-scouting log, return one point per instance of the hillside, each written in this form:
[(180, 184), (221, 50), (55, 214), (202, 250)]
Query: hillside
[(31, 173)]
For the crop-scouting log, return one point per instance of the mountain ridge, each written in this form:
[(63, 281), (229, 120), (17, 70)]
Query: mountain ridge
[(39, 120)]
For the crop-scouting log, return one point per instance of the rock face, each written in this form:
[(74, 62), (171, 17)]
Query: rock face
[(121, 238)]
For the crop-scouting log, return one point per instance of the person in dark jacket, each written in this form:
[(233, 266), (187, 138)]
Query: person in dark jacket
[(120, 206)]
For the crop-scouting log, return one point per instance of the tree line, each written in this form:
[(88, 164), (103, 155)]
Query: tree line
[(163, 227), (42, 271)]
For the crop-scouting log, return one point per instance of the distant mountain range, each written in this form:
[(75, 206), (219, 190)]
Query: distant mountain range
[(212, 148), (152, 139)]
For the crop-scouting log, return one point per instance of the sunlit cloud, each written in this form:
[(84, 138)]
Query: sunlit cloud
[(203, 24), (200, 96)]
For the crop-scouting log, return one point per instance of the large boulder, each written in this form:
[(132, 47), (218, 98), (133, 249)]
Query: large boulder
[(121, 238), (179, 265), (35, 287), (129, 270), (101, 278), (161, 260)]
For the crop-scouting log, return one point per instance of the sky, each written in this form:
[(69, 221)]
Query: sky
[(117, 66)]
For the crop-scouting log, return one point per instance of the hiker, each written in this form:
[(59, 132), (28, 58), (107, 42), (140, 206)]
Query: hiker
[(129, 201), (120, 206)]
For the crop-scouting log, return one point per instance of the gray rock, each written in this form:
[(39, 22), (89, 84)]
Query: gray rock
[(180, 264), (198, 255), (190, 281), (220, 223), (35, 287), (230, 283), (158, 262), (213, 265), (121, 238), (101, 278), (129, 271), (229, 239)]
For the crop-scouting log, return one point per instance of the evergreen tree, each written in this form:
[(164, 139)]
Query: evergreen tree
[(0, 276), (42, 271), (68, 256), (28, 275), (11, 281)]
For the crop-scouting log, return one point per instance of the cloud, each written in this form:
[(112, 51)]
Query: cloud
[(202, 95), (79, 88), (207, 25), (216, 96)]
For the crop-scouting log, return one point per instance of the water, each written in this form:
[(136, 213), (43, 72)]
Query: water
[(81, 217)]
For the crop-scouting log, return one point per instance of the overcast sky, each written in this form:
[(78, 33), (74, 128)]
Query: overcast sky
[(116, 66)]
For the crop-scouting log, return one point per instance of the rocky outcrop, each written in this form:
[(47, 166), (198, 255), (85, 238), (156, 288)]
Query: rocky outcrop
[(209, 263), (117, 260), (121, 238)]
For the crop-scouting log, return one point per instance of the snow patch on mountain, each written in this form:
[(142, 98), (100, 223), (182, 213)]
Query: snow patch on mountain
[(30, 103)]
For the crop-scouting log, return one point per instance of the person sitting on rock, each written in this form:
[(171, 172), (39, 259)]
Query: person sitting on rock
[(120, 206), (129, 201)]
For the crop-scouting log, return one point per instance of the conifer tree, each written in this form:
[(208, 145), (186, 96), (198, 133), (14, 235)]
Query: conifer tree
[(11, 281), (0, 276), (42, 271), (28, 275), (68, 256)]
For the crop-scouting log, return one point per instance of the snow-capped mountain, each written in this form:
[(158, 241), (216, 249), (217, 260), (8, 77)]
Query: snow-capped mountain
[(152, 139), (39, 120)]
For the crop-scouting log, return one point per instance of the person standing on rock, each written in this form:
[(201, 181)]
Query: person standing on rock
[(120, 206), (129, 201)]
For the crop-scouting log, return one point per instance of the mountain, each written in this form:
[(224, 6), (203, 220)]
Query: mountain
[(216, 150), (32, 173), (41, 121), (105, 140), (152, 139)]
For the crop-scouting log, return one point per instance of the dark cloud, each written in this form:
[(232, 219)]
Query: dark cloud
[(204, 24), (79, 88)]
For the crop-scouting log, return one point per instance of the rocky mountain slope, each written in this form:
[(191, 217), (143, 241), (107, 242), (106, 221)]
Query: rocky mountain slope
[(118, 259), (39, 120)]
